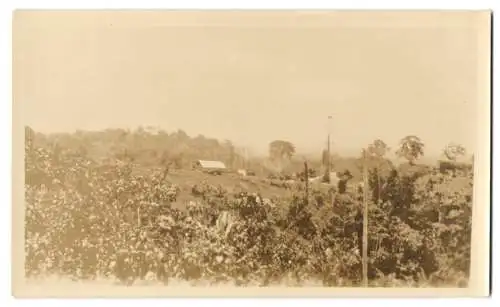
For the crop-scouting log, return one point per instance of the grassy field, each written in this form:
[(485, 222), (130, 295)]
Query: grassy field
[(231, 182)]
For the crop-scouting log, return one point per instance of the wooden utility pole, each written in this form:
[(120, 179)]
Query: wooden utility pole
[(139, 216), (306, 176), (328, 153), (328, 161), (365, 220)]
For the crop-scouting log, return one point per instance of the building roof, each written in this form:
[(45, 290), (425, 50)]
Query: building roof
[(211, 164), (460, 159)]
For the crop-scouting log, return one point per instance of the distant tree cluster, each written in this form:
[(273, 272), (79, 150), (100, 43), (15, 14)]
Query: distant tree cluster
[(144, 146)]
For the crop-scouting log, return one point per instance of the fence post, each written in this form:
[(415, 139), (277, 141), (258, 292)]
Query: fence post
[(365, 220), (139, 215)]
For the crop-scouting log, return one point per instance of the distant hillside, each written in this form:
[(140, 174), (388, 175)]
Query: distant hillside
[(142, 146), (155, 147)]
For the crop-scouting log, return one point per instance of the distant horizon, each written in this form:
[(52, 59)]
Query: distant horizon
[(341, 151)]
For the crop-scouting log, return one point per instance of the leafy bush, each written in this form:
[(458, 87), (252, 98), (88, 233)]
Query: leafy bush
[(90, 220)]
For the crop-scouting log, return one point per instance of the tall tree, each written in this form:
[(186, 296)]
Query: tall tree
[(378, 149), (280, 151), (452, 151), (411, 148)]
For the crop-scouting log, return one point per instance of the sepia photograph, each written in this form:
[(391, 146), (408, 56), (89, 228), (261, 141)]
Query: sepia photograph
[(227, 153)]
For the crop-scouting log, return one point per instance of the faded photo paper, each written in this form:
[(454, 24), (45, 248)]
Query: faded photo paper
[(251, 153)]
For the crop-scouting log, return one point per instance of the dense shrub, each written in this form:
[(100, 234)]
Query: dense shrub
[(91, 220)]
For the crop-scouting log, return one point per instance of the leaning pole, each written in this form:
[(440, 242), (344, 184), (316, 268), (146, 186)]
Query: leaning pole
[(365, 220)]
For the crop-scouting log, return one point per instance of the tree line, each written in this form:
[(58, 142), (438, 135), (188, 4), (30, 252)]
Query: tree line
[(149, 147), (411, 148)]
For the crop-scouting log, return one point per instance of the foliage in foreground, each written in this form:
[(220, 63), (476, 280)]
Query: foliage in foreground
[(86, 220)]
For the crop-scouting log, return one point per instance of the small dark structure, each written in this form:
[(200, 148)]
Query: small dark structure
[(454, 167), (342, 183)]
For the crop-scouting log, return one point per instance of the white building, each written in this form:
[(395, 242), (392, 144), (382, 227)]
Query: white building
[(210, 166)]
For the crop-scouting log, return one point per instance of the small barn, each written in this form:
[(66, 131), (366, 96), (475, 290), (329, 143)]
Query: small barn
[(210, 166)]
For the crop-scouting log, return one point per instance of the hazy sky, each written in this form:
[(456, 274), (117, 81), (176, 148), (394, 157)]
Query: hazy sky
[(252, 78)]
